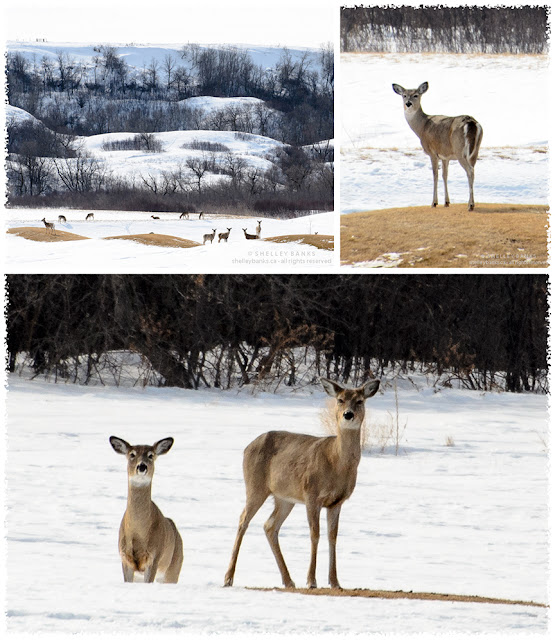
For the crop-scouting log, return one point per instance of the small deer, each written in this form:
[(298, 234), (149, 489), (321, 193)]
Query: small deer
[(319, 472), (209, 236), (62, 218), (201, 215), (90, 216), (250, 236), (155, 217), (224, 235), (50, 228), (443, 138), (259, 228), (184, 215), (149, 543)]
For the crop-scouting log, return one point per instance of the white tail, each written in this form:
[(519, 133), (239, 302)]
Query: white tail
[(319, 472), (443, 138), (62, 218), (208, 236), (250, 236), (259, 228), (148, 542), (90, 216), (49, 226), (224, 235)]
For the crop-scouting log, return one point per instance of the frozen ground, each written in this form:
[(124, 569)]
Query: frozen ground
[(124, 256), (382, 162), (469, 518)]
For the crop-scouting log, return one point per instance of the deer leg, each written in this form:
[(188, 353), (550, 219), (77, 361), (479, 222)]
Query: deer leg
[(272, 526), (435, 166), (467, 166), (333, 527), (128, 572), (445, 171), (173, 571), (313, 513), (150, 571), (253, 505)]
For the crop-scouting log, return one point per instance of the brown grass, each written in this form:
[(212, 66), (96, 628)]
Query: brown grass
[(314, 240), (158, 240), (40, 234), (493, 235), (405, 595)]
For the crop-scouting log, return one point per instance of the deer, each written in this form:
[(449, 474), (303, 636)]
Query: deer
[(443, 138), (184, 215), (149, 543), (259, 228), (62, 219), (319, 472), (201, 215), (49, 226), (90, 216), (155, 217), (250, 236), (209, 236), (224, 235)]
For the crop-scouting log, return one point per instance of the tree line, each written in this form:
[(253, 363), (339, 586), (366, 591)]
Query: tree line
[(464, 29), (479, 331)]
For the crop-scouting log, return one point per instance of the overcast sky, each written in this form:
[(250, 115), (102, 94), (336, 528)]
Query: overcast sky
[(308, 23)]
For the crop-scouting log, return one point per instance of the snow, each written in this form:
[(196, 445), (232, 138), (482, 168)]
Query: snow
[(124, 256), (382, 162), (470, 518)]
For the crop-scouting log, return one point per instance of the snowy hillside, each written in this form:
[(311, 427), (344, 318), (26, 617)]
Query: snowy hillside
[(462, 509), (382, 162)]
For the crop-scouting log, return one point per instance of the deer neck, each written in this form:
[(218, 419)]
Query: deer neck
[(417, 121), (347, 447), (139, 506)]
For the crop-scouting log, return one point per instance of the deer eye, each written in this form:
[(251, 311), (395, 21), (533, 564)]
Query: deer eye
[(340, 401), (359, 402), (132, 455), (150, 455)]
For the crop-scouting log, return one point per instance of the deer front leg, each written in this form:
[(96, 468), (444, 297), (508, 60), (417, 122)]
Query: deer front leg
[(150, 570), (313, 513), (445, 171), (272, 526), (333, 527), (128, 572), (435, 167)]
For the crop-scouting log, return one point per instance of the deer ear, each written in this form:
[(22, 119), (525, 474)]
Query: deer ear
[(398, 89), (370, 388), (331, 388), (423, 88), (119, 445), (162, 446)]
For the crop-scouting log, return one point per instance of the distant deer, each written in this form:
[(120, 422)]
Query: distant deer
[(62, 218), (319, 472), (250, 236), (201, 215), (155, 217), (184, 215), (224, 235), (50, 228), (148, 542), (259, 228), (90, 216), (209, 236), (443, 138)]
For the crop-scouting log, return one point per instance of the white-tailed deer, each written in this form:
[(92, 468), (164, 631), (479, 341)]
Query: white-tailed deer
[(155, 217), (90, 216), (319, 472), (184, 215), (201, 215), (209, 236), (149, 543), (62, 218), (249, 236), (443, 138), (259, 228), (50, 228), (224, 235)]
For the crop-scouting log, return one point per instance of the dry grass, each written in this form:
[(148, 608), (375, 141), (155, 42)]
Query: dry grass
[(493, 235), (158, 240), (314, 240), (406, 595), (40, 234)]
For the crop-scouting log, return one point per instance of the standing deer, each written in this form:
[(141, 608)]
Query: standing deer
[(443, 138), (62, 218), (201, 215), (224, 235), (249, 236), (50, 228), (148, 542), (90, 216), (319, 472), (184, 215), (259, 228), (208, 236)]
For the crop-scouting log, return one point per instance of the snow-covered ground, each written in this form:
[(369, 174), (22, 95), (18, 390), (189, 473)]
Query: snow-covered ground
[(382, 162), (124, 256), (462, 509)]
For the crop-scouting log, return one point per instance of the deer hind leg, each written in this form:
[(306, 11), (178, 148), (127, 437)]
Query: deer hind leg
[(435, 167), (469, 168), (445, 171), (313, 513), (333, 527), (174, 568), (254, 502), (272, 526)]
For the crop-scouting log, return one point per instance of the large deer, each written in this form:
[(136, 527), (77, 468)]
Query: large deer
[(443, 138), (148, 542), (224, 235), (320, 472)]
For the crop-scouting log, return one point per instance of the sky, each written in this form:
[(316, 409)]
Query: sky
[(308, 23)]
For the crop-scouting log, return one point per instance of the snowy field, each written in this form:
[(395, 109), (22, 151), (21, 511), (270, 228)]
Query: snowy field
[(125, 256), (382, 162), (468, 518)]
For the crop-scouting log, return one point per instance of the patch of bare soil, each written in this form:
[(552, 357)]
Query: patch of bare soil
[(314, 240), (41, 234), (493, 235), (405, 595), (158, 240)]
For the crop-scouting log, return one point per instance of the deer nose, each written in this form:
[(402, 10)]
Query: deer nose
[(408, 104), (348, 415), (142, 468)]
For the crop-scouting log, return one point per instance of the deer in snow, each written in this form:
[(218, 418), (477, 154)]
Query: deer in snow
[(250, 236), (184, 215), (224, 235), (62, 218), (90, 216), (209, 236), (49, 226), (320, 472), (259, 228), (155, 217), (149, 543), (443, 138), (201, 215)]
